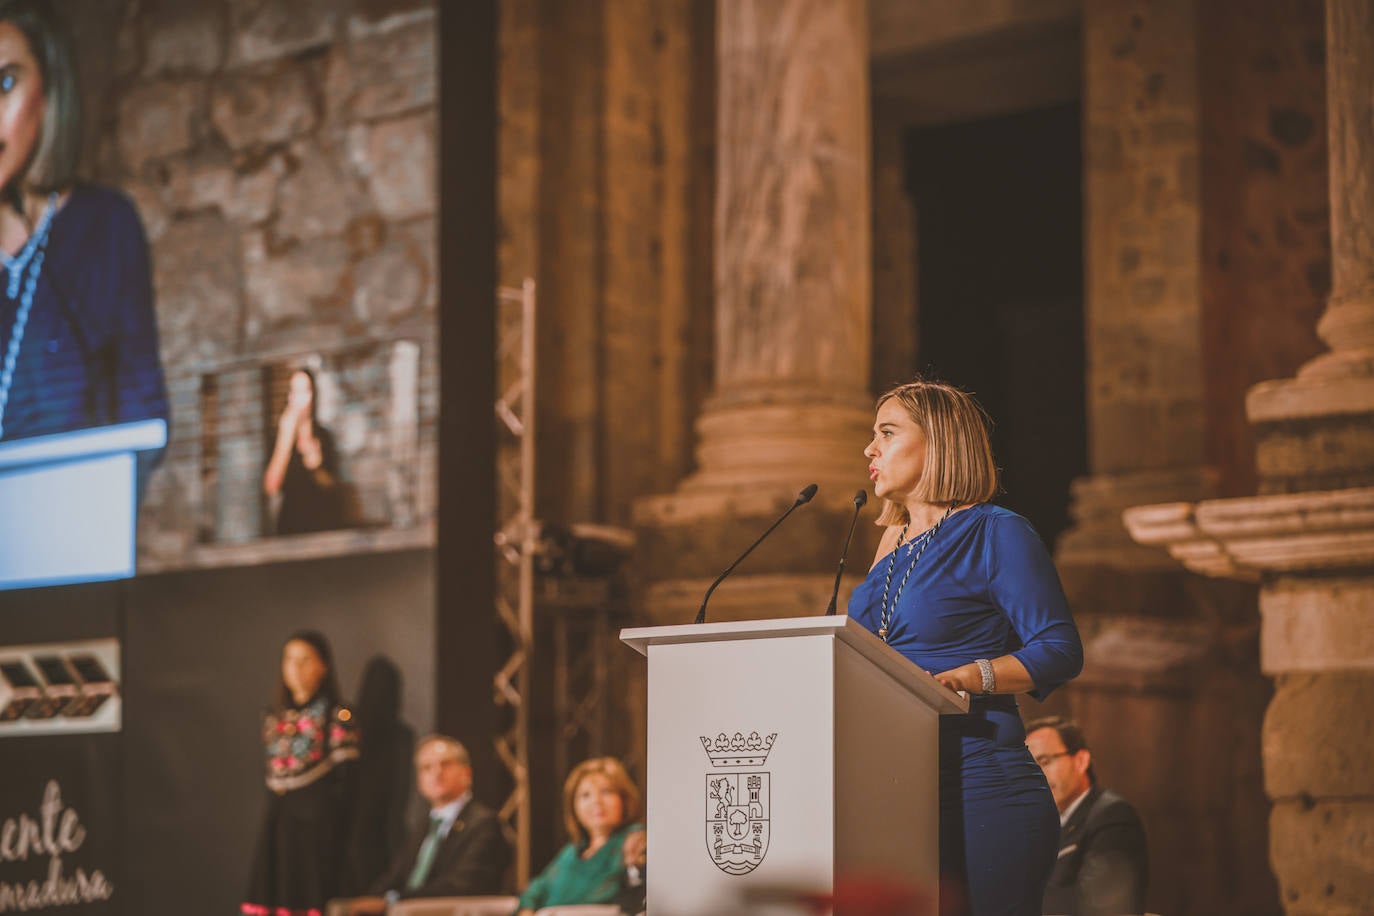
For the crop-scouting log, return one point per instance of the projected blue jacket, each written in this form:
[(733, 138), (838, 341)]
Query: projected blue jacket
[(89, 355)]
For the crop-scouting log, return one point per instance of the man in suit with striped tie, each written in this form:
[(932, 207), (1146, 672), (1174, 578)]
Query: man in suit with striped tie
[(460, 850)]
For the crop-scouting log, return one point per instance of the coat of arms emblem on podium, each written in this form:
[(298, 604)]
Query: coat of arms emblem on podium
[(737, 806)]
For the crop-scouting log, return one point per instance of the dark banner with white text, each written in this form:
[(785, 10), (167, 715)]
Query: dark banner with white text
[(60, 825)]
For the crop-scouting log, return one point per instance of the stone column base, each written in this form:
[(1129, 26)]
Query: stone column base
[(1313, 432), (757, 451), (1145, 654), (753, 451), (760, 596), (1347, 326), (1099, 537)]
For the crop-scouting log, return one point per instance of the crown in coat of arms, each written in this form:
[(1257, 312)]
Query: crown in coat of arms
[(739, 750)]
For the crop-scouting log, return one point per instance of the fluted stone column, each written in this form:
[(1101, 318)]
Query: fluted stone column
[(790, 404), (1310, 537)]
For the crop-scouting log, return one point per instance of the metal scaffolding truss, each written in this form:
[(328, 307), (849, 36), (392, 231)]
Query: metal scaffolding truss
[(516, 542), (567, 570), (581, 677)]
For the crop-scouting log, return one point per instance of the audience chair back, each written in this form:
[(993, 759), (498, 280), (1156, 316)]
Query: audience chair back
[(455, 906)]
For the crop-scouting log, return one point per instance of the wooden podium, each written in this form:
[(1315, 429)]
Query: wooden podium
[(70, 504), (785, 753)]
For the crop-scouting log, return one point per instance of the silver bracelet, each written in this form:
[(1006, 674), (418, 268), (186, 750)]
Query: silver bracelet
[(989, 680)]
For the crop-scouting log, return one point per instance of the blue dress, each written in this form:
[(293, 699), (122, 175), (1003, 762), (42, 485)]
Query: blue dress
[(985, 587), (89, 355)]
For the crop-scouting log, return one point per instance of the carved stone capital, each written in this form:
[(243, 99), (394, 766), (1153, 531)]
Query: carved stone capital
[(1244, 538)]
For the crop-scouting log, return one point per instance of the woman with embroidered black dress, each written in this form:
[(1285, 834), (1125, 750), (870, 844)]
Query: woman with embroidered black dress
[(310, 742), (78, 337), (967, 591)]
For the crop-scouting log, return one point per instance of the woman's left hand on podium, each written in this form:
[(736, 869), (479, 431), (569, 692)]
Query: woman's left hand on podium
[(967, 678)]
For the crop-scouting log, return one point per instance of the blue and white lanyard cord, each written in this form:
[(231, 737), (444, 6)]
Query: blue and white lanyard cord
[(18, 266)]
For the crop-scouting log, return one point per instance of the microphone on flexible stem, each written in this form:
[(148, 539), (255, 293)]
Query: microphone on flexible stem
[(860, 498), (802, 498)]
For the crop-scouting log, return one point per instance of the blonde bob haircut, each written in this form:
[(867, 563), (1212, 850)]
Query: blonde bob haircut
[(614, 771), (959, 468)]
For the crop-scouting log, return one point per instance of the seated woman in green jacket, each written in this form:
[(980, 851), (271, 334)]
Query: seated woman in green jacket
[(601, 807)]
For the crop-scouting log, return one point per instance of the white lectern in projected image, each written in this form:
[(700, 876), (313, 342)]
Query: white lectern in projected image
[(785, 753), (69, 504)]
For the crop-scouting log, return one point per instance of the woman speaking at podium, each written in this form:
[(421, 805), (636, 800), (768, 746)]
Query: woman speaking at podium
[(78, 337), (967, 591)]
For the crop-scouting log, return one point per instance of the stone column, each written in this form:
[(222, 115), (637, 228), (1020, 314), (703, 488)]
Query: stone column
[(792, 244), (1315, 433), (1142, 142), (895, 250), (1152, 691), (790, 404), (1309, 539), (1314, 430)]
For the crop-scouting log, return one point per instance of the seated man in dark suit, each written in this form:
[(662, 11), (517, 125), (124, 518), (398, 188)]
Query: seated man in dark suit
[(459, 852), (1102, 863)]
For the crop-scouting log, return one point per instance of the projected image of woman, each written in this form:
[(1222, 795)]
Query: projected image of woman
[(304, 467), (78, 338)]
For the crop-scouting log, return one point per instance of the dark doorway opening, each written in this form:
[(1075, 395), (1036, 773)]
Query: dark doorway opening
[(999, 224)]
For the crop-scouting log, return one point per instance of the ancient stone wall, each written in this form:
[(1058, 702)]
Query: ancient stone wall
[(282, 156), (1141, 185), (1266, 250), (606, 151), (1179, 188)]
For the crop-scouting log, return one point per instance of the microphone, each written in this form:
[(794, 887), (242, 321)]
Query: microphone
[(860, 498), (802, 498)]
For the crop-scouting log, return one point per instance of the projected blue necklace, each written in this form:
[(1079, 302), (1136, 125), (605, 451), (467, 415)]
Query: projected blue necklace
[(17, 267)]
